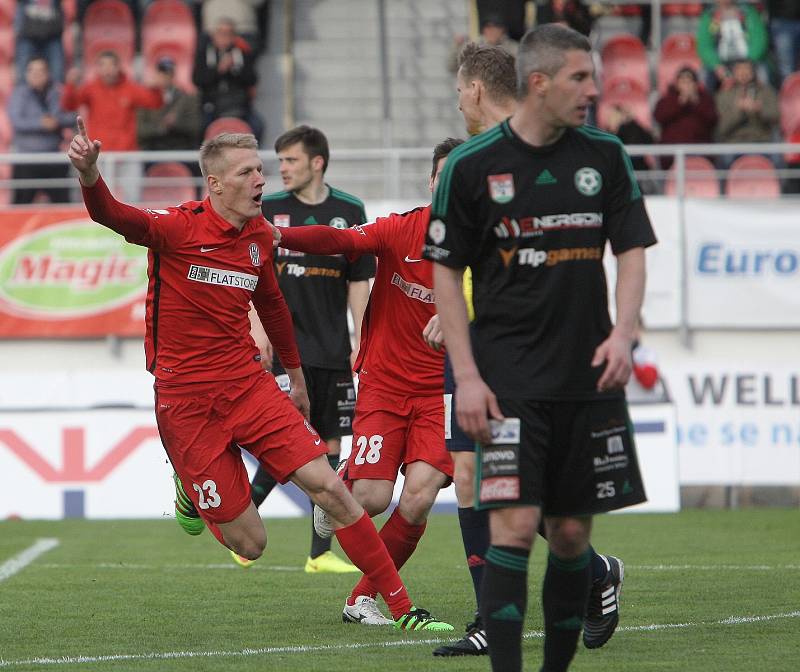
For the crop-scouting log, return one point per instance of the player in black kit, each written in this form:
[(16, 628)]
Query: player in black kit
[(318, 289), (529, 206)]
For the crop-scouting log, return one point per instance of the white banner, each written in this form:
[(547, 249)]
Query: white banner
[(744, 261), (95, 464), (109, 463)]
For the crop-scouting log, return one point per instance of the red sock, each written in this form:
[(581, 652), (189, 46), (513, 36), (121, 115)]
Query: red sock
[(401, 539), (361, 543)]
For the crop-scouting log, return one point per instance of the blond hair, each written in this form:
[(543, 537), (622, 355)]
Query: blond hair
[(212, 151)]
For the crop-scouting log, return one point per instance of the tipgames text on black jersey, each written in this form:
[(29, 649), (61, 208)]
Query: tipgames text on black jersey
[(532, 223), (315, 286)]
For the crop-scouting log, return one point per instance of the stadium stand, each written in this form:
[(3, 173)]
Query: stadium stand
[(677, 50), (227, 125), (753, 177), (174, 184), (625, 56), (168, 30), (108, 26), (789, 101), (701, 179)]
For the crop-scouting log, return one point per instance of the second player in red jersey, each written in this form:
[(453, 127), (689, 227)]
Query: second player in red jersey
[(399, 417)]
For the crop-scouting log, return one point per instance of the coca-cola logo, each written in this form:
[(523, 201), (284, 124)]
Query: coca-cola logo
[(71, 269)]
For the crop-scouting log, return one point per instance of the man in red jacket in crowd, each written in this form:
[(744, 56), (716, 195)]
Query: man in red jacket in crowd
[(111, 100)]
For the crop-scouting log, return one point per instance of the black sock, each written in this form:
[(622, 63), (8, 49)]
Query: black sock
[(475, 535), (318, 544), (564, 595), (599, 566), (261, 486), (504, 596)]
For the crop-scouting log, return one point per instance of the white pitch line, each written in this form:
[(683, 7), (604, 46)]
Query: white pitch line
[(265, 651), (21, 560)]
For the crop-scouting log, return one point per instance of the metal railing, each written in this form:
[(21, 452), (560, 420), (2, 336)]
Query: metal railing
[(373, 174)]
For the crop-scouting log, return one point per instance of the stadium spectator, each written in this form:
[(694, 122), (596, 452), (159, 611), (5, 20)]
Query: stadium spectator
[(748, 111), (111, 101), (211, 393), (176, 124), (225, 74), (318, 300), (686, 112), (38, 26), (513, 14), (727, 33), (573, 13), (784, 27), (487, 186), (245, 15), (493, 34), (38, 120), (623, 124)]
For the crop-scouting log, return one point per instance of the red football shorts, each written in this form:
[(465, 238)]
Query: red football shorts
[(391, 430), (202, 426)]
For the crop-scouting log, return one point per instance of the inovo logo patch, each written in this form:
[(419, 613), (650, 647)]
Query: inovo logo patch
[(71, 269)]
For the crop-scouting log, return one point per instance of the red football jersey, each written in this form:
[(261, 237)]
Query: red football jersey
[(203, 272), (393, 354)]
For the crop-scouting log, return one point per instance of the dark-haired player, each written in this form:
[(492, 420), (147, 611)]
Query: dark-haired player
[(529, 206), (318, 290)]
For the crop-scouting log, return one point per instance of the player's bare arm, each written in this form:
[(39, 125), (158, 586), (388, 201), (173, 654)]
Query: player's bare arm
[(357, 299), (476, 403), (616, 349)]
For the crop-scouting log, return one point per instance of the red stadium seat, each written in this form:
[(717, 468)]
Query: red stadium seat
[(625, 55), (6, 44), (7, 9), (628, 93), (6, 83), (226, 125), (701, 180), (6, 130), (108, 26), (677, 51), (682, 9), (175, 184), (789, 101), (168, 21), (753, 177)]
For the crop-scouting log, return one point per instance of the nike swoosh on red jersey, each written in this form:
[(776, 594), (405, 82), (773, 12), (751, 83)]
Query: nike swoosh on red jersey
[(411, 261), (208, 249)]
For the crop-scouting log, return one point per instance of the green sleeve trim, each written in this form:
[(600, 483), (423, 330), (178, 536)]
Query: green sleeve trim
[(596, 134), (441, 199), (344, 196)]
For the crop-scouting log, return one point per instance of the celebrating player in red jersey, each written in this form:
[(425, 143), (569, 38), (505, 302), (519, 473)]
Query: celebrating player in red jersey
[(400, 415), (207, 260)]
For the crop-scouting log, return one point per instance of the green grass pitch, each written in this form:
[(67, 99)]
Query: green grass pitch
[(704, 591)]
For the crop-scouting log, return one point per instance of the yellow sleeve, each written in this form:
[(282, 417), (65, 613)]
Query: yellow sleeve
[(467, 286)]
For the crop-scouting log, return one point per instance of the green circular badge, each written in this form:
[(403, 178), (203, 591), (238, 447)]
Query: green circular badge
[(588, 181)]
